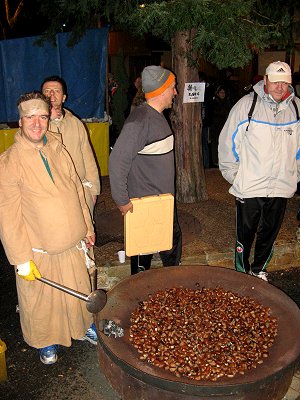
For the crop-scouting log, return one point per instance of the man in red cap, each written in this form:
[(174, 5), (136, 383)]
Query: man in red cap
[(142, 160), (259, 155)]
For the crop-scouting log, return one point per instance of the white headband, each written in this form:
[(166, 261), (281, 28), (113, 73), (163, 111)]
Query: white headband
[(30, 107)]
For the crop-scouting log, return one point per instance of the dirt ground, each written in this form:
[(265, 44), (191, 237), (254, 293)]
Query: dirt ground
[(207, 226), (76, 375)]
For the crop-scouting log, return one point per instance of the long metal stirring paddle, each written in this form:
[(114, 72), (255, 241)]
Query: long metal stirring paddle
[(95, 301)]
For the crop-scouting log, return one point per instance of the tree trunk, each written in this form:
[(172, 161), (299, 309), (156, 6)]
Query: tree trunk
[(187, 126)]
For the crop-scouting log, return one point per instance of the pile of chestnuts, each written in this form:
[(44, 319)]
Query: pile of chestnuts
[(202, 334)]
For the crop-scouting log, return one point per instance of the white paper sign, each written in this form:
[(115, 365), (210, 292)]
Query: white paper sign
[(194, 92)]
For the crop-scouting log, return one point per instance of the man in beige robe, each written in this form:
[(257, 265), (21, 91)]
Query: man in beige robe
[(73, 135), (43, 217)]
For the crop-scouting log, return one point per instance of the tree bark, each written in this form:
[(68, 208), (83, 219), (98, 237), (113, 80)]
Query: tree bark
[(8, 22), (12, 20), (187, 126)]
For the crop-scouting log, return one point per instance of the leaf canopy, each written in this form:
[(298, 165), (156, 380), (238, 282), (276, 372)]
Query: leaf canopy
[(226, 31)]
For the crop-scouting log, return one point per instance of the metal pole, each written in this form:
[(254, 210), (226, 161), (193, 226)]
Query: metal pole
[(75, 293)]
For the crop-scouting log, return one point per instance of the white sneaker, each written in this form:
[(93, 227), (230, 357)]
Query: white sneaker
[(261, 275), (48, 355)]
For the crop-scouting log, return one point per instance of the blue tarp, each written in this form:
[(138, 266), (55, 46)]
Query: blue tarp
[(24, 65)]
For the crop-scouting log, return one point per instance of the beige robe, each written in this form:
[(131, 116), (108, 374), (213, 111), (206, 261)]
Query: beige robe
[(36, 212), (73, 135)]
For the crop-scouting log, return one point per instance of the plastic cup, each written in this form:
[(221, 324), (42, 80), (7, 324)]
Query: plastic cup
[(121, 255)]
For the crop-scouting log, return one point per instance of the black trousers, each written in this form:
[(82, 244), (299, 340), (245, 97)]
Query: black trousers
[(261, 217), (168, 257)]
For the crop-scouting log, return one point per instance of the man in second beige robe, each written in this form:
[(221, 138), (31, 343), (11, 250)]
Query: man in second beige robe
[(43, 217), (73, 134)]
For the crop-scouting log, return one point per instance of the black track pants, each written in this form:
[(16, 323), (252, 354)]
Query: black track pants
[(260, 216), (168, 257)]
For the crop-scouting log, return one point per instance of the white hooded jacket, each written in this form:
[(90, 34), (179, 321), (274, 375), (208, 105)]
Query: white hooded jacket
[(263, 161)]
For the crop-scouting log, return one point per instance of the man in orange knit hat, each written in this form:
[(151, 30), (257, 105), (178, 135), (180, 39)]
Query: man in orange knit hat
[(142, 160)]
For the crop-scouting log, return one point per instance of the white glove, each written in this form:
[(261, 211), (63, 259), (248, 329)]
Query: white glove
[(23, 269)]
